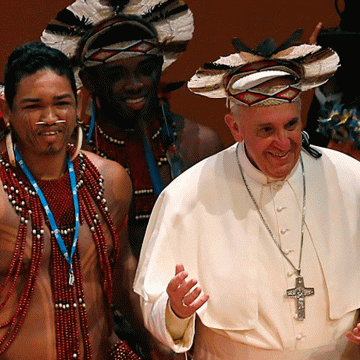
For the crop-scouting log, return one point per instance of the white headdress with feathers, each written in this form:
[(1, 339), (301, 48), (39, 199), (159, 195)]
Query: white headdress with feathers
[(172, 20), (242, 77)]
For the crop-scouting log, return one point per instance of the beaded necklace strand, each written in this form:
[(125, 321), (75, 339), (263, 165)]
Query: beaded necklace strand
[(69, 301)]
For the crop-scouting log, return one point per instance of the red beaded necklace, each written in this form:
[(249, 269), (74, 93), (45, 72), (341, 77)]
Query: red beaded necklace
[(128, 150), (69, 301)]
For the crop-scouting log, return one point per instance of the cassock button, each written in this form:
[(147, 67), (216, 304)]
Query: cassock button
[(299, 336), (284, 230), (280, 208)]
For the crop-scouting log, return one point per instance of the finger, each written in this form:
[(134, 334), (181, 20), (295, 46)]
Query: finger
[(177, 294), (351, 336), (192, 296), (314, 35), (194, 306), (356, 331), (176, 281), (179, 268)]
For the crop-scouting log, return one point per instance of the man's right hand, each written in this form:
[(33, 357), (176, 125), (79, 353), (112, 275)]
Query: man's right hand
[(184, 300)]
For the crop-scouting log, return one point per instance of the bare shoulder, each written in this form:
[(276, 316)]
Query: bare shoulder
[(198, 141), (115, 176), (205, 133)]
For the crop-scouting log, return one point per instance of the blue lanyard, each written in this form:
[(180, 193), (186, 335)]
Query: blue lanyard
[(153, 169), (50, 215)]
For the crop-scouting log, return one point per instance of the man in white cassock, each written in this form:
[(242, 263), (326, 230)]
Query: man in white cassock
[(254, 252)]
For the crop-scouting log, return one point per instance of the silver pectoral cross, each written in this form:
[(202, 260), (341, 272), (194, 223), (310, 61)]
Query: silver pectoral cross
[(299, 292)]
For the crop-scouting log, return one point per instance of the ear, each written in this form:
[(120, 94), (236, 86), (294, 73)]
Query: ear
[(234, 127), (87, 81), (79, 103), (5, 109)]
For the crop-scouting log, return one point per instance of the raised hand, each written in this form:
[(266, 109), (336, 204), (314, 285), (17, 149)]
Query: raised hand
[(184, 298), (354, 335)]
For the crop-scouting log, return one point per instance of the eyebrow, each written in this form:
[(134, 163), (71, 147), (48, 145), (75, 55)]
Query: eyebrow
[(295, 118), (57, 97)]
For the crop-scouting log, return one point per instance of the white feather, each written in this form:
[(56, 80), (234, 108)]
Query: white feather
[(91, 9), (66, 44), (141, 7), (252, 80), (204, 80), (238, 59), (295, 52), (176, 28), (321, 67)]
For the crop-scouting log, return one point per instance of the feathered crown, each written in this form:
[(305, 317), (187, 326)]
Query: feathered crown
[(172, 20), (248, 77)]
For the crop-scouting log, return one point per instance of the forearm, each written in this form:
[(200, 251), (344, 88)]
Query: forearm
[(173, 332)]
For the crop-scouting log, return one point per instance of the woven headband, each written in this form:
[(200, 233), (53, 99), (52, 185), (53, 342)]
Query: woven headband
[(91, 55)]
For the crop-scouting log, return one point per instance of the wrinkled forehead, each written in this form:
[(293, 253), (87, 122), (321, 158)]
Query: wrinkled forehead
[(279, 114)]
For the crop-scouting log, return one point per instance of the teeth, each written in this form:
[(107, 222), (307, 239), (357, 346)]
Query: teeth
[(50, 133), (135, 101)]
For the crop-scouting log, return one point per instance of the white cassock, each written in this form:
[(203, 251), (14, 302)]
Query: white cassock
[(206, 220)]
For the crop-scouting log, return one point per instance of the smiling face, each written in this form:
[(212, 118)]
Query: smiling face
[(271, 134), (127, 88), (41, 100)]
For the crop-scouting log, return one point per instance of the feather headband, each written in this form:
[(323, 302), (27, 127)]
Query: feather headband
[(266, 76), (170, 22)]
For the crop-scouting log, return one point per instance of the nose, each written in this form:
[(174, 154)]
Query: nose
[(282, 140), (49, 116), (134, 83)]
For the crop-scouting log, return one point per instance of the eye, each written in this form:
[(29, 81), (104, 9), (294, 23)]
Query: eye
[(31, 106), (265, 131), (148, 68), (293, 124), (113, 74), (64, 103)]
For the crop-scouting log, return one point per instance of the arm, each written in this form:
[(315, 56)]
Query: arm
[(126, 301), (314, 35), (177, 306), (184, 299)]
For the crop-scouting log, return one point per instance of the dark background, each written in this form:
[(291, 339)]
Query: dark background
[(216, 23)]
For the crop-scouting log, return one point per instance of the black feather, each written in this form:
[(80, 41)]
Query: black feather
[(67, 17), (268, 47), (240, 46), (118, 5), (165, 10), (295, 36), (215, 66)]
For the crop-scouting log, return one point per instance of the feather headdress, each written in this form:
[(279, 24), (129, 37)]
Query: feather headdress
[(245, 77), (172, 20)]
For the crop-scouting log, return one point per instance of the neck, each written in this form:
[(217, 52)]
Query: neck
[(111, 117), (45, 167), (140, 126)]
